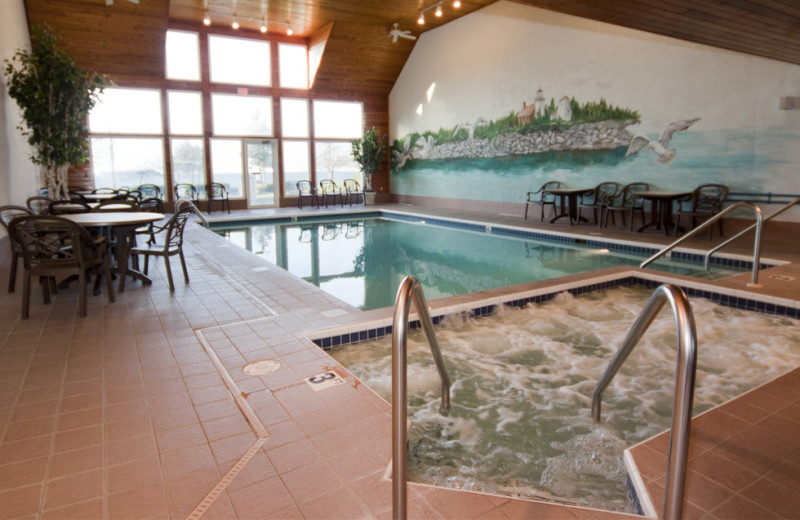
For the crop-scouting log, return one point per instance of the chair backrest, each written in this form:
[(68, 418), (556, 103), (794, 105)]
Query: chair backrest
[(152, 204), (184, 190), (352, 186), (215, 190), (62, 207), (147, 191), (305, 188), (328, 187), (10, 212), (38, 205), (549, 185), (176, 223), (606, 192), (709, 197), (74, 196), (629, 193), (117, 205), (51, 241)]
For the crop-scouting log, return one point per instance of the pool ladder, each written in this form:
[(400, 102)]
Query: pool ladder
[(756, 242), (684, 386), (410, 289)]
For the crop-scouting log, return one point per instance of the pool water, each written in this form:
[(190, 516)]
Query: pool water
[(522, 381), (363, 261)]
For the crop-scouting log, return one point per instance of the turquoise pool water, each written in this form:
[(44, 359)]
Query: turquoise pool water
[(363, 261)]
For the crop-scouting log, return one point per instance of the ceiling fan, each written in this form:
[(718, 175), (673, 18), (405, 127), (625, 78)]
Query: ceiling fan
[(396, 33)]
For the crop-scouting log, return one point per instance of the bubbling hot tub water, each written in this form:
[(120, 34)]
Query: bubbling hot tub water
[(522, 380)]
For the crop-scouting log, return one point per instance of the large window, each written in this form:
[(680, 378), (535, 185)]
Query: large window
[(218, 122), (183, 55), (239, 61), (293, 71), (241, 115), (336, 123), (126, 144)]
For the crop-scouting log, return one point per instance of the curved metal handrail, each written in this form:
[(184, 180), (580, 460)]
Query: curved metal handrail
[(409, 289), (749, 228), (684, 386), (756, 245)]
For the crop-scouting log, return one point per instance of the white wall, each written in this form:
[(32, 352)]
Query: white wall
[(487, 63), (18, 176)]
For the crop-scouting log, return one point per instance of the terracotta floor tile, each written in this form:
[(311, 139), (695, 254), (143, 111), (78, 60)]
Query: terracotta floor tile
[(78, 487), (740, 508), (76, 439), (185, 461), (147, 502), (21, 430), (311, 481), (20, 502), (187, 491), (81, 419), (84, 510), (17, 451), (261, 500), (18, 474), (136, 473), (179, 438), (232, 448), (258, 469), (335, 503), (120, 452), (294, 455), (777, 499)]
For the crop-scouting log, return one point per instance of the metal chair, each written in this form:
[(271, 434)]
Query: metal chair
[(63, 207), (7, 214), (705, 202), (628, 204), (172, 244), (38, 205), (603, 195), (54, 246), (330, 190), (185, 191), (544, 198), (353, 191), (306, 190), (147, 191), (216, 192)]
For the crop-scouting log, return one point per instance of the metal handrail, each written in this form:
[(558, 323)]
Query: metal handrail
[(684, 386), (756, 245), (409, 289), (749, 228)]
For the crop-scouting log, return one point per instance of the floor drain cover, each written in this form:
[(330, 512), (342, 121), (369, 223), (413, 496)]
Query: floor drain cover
[(259, 368)]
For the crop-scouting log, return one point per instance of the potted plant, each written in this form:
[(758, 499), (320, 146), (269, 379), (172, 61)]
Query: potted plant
[(55, 97), (368, 152)]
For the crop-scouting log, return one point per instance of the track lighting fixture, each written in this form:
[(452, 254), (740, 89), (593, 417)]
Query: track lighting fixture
[(236, 21), (438, 11)]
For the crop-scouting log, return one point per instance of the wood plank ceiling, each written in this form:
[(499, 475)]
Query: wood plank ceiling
[(127, 39)]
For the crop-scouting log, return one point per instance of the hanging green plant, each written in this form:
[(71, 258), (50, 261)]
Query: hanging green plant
[(55, 96)]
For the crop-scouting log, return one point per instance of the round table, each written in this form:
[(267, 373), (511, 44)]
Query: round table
[(123, 225)]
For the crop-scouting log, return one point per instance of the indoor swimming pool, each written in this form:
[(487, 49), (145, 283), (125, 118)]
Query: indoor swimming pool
[(363, 260), (522, 380)]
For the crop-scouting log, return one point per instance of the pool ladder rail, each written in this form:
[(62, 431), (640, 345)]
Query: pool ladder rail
[(410, 289), (756, 242), (686, 369)]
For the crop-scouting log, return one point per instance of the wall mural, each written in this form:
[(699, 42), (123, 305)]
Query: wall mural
[(470, 123)]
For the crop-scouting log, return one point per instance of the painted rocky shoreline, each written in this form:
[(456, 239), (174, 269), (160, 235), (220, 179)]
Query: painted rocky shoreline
[(602, 135)]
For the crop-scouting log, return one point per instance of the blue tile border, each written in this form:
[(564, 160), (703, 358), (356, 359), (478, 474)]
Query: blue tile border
[(722, 299)]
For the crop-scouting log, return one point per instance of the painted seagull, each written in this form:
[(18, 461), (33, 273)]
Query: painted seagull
[(659, 147)]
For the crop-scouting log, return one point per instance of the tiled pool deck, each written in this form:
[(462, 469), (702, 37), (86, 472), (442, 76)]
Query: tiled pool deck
[(142, 410)]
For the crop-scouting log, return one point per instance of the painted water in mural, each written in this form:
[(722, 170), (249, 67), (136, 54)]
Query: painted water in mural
[(747, 160)]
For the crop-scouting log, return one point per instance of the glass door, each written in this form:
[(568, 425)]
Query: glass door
[(261, 173)]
